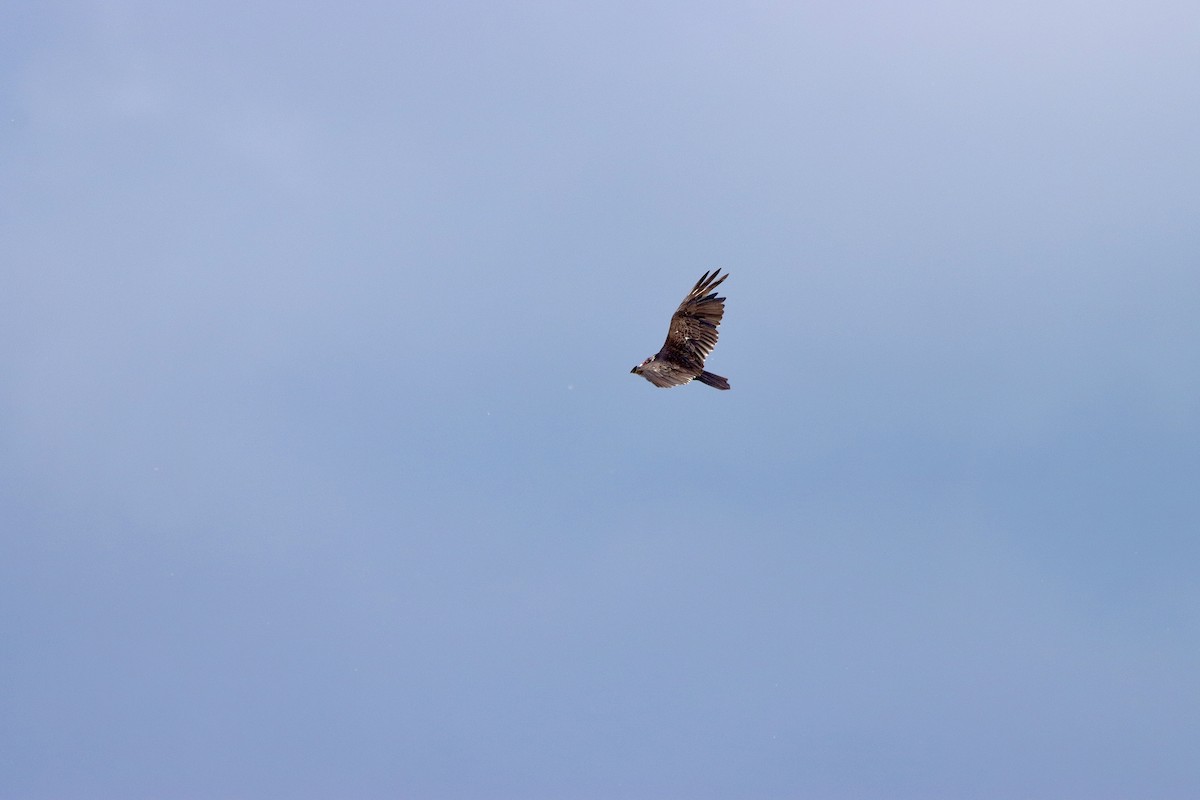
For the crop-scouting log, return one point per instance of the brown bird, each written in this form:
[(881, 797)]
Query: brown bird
[(692, 336)]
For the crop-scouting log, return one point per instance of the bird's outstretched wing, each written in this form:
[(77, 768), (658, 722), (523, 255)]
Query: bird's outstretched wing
[(693, 332)]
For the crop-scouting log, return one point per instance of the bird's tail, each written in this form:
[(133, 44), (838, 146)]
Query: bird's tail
[(715, 381)]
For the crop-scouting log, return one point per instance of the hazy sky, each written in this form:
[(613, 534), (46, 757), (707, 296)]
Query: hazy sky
[(322, 472)]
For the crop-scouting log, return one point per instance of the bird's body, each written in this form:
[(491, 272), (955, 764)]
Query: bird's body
[(692, 336)]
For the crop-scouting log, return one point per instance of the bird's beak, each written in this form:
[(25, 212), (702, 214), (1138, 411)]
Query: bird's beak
[(633, 371)]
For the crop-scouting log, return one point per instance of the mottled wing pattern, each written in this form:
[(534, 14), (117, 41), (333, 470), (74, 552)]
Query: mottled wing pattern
[(665, 374), (693, 332)]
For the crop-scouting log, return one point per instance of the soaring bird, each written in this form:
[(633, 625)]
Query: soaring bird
[(692, 336)]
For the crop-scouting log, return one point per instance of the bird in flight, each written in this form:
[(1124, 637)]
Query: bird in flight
[(692, 336)]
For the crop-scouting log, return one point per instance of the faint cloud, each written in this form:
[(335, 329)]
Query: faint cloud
[(104, 74), (279, 145)]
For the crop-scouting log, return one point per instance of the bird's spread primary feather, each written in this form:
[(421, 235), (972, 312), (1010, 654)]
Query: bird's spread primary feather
[(690, 339)]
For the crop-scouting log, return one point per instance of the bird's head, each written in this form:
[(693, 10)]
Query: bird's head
[(638, 369)]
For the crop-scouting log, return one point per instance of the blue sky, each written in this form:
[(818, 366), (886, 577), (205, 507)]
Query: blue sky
[(324, 475)]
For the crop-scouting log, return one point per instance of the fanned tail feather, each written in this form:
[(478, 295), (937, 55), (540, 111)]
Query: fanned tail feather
[(715, 381)]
